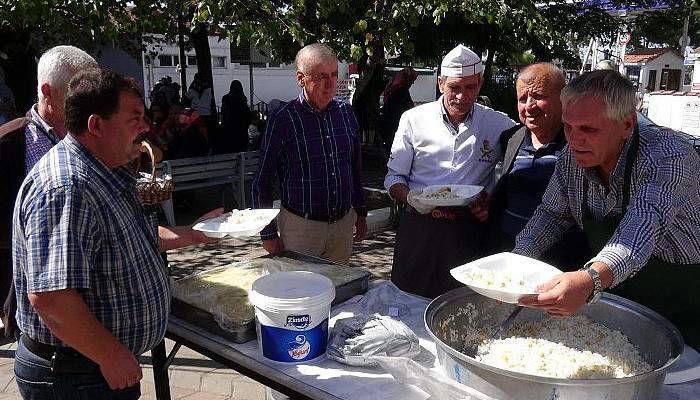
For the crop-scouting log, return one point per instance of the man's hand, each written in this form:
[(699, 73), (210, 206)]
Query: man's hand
[(562, 295), (273, 246), (200, 237), (175, 237), (360, 229), (480, 207), (68, 318), (121, 370), (399, 192)]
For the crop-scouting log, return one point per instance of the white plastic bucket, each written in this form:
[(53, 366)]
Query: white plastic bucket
[(291, 315)]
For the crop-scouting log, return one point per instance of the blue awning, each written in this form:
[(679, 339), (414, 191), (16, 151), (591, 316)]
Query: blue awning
[(621, 6)]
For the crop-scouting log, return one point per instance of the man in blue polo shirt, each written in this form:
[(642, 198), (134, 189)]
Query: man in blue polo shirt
[(92, 290), (530, 152)]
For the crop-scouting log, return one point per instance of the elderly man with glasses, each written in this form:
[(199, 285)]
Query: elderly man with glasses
[(311, 144)]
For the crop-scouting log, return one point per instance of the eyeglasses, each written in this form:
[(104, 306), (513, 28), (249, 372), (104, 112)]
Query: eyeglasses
[(323, 77)]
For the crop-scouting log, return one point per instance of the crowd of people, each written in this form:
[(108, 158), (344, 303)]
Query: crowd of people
[(585, 186), (188, 127)]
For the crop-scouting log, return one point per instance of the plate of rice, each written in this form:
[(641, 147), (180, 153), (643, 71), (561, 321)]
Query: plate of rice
[(507, 277), (237, 223), (449, 195)]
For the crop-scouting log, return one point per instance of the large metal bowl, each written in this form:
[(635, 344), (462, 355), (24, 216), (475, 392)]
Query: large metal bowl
[(657, 340)]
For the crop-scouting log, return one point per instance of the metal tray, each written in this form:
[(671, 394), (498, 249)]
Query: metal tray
[(244, 333)]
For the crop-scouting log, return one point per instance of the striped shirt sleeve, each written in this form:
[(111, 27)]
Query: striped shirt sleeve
[(665, 182)]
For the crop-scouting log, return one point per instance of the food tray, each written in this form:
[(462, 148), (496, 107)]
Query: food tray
[(356, 282)]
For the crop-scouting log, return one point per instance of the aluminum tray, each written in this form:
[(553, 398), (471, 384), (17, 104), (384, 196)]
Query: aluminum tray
[(244, 333)]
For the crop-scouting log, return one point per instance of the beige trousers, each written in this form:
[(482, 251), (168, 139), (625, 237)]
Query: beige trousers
[(321, 239)]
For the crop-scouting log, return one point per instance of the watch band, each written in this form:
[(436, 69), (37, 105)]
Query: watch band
[(597, 285)]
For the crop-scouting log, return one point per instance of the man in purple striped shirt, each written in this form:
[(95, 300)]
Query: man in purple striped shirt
[(311, 145)]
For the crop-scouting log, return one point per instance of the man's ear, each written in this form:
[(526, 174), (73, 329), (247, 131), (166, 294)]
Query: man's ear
[(301, 80), (630, 122), (94, 125), (45, 90)]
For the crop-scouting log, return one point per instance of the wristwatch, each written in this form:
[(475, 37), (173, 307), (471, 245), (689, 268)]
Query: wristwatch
[(597, 285)]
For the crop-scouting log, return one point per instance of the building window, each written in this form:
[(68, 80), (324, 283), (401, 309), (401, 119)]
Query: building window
[(651, 82), (633, 74), (218, 62), (670, 79), (168, 60), (192, 61)]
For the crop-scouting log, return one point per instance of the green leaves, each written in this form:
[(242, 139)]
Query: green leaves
[(360, 26)]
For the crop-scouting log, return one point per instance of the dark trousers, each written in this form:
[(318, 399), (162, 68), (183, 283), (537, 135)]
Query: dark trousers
[(36, 381), (427, 248)]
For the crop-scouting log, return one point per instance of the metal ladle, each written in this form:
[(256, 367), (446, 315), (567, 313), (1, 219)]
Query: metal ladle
[(470, 349)]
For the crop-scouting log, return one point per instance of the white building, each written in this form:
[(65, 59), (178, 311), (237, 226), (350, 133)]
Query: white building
[(655, 69)]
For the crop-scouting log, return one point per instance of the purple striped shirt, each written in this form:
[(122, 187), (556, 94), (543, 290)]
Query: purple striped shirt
[(317, 158)]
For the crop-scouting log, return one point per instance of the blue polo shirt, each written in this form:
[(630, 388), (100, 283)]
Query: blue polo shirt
[(527, 182)]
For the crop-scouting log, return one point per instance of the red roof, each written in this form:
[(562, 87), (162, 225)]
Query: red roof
[(643, 56)]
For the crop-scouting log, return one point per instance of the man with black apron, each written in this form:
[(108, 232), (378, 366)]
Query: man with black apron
[(451, 141), (635, 192)]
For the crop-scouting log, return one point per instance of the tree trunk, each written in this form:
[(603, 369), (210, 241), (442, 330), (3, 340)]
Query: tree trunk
[(488, 71), (199, 38)]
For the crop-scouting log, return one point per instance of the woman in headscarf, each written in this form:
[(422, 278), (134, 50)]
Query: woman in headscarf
[(397, 99), (235, 119)]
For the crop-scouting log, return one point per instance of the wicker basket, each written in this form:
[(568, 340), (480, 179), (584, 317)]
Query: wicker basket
[(156, 190)]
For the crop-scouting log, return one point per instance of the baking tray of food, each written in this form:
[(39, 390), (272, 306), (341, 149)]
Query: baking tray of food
[(217, 300)]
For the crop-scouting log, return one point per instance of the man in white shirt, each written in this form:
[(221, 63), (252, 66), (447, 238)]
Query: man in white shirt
[(451, 141)]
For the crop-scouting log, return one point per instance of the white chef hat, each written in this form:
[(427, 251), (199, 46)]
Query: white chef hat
[(460, 62)]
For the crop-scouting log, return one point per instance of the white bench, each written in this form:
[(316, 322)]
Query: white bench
[(235, 169)]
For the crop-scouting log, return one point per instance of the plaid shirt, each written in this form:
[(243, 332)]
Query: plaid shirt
[(317, 158), (39, 137), (79, 225), (662, 218)]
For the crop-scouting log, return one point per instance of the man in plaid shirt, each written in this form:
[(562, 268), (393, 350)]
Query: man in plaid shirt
[(635, 191), (312, 146), (92, 289)]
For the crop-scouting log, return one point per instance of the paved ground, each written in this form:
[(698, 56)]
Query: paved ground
[(193, 376)]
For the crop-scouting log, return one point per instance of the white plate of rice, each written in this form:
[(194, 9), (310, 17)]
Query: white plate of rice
[(507, 277), (449, 195), (237, 223)]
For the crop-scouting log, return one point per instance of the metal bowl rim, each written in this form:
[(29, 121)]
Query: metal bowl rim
[(614, 300)]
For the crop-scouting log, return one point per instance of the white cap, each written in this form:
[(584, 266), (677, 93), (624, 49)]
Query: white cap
[(460, 62)]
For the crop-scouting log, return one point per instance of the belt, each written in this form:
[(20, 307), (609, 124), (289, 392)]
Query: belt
[(330, 219), (64, 360)]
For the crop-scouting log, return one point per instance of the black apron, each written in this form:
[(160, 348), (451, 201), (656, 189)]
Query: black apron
[(666, 288), (427, 248)]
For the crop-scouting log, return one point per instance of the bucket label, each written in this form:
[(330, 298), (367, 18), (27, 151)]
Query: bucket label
[(298, 321), (285, 345)]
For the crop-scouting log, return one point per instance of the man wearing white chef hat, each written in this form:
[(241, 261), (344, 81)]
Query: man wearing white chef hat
[(451, 141)]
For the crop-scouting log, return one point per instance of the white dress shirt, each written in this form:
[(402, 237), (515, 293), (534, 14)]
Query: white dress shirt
[(429, 150)]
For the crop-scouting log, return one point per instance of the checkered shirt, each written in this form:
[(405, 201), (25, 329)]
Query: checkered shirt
[(662, 218), (79, 225)]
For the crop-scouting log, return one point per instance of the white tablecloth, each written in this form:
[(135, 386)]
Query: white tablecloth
[(355, 383)]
